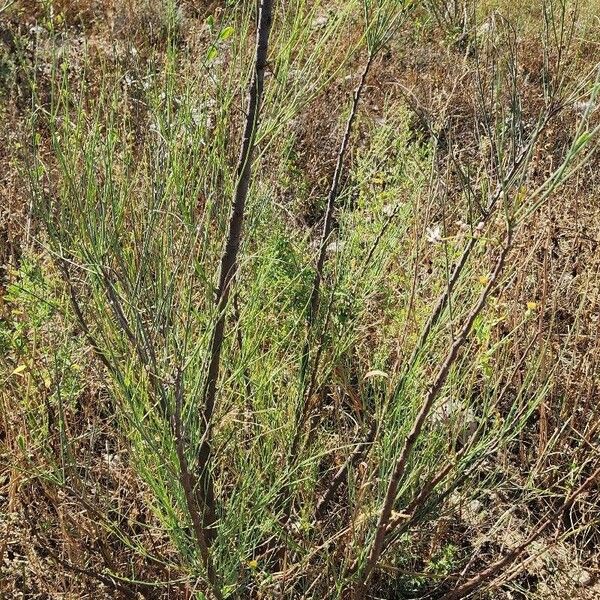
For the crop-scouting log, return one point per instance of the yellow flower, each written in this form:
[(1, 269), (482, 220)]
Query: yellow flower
[(531, 305), (378, 179), (484, 279), (521, 194), (253, 564)]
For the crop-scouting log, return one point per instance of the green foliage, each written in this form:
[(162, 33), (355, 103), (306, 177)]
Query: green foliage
[(39, 354)]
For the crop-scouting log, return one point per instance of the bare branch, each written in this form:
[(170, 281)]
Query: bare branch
[(229, 259), (413, 436)]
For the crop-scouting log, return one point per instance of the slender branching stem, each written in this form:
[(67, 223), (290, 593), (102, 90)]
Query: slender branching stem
[(412, 437), (328, 225), (187, 483), (229, 258)]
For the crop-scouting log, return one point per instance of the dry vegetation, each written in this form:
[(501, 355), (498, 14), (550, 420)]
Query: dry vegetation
[(390, 390)]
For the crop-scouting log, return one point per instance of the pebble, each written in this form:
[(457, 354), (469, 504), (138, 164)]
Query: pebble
[(585, 579)]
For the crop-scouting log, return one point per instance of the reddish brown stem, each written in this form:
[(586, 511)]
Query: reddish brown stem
[(315, 294), (229, 261), (411, 439)]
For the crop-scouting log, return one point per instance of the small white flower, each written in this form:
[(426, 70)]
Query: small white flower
[(485, 28), (389, 210), (451, 411), (335, 247), (197, 115), (583, 107), (434, 234), (462, 225)]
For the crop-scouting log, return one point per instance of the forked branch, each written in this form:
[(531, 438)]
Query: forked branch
[(412, 437)]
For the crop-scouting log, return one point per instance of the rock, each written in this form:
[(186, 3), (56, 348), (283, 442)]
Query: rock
[(320, 22), (585, 579)]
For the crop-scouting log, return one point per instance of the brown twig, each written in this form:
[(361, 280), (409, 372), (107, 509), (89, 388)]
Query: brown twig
[(64, 269), (110, 581), (334, 191), (495, 568), (352, 460), (411, 439), (315, 294), (185, 476), (250, 422), (229, 259)]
